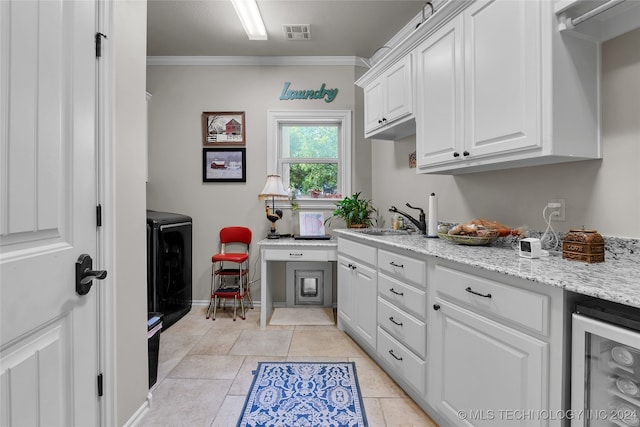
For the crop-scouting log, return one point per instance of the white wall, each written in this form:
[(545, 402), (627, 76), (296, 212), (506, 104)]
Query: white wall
[(129, 44), (179, 96), (600, 194)]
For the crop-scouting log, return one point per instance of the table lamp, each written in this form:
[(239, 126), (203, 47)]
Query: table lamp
[(273, 189)]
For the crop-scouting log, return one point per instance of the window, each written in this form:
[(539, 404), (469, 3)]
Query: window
[(311, 151)]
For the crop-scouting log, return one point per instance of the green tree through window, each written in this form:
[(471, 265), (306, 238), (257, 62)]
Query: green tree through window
[(311, 154)]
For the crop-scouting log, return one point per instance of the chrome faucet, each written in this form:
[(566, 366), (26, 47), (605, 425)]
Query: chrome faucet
[(421, 224)]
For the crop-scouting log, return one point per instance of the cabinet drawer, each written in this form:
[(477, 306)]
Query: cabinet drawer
[(403, 267), (358, 251), (403, 327), (300, 255), (404, 363), (404, 296), (517, 306)]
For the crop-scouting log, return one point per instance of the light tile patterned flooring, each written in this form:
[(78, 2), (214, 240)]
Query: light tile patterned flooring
[(204, 370)]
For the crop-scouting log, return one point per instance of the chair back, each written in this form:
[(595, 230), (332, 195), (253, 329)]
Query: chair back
[(237, 235)]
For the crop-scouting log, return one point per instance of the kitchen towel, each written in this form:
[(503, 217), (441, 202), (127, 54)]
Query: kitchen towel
[(433, 216)]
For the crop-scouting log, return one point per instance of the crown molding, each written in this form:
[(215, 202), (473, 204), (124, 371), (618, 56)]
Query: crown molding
[(354, 61)]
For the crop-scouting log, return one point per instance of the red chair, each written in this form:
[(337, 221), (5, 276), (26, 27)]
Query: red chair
[(231, 267)]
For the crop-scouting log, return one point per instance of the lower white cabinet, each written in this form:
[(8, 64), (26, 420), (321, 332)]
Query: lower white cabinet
[(404, 363), (483, 368), (495, 349), (357, 295), (470, 346)]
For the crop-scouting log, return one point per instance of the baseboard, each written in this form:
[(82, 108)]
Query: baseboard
[(137, 416)]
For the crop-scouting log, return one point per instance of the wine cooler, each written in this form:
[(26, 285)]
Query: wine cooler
[(605, 365)]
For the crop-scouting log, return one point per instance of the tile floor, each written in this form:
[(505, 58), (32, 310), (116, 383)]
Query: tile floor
[(204, 370)]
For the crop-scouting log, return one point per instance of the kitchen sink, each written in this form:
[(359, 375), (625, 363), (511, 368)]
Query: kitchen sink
[(384, 232)]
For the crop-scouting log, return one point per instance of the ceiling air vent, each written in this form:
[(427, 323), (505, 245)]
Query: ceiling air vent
[(297, 32)]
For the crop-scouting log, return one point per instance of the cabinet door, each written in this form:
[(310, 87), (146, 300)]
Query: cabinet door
[(502, 76), (439, 120), (365, 302), (373, 106), (345, 291), (483, 370), (397, 91)]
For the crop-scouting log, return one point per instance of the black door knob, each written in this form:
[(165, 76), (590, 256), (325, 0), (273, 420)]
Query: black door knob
[(85, 274)]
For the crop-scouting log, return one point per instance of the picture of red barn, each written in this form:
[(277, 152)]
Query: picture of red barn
[(223, 128), (233, 127)]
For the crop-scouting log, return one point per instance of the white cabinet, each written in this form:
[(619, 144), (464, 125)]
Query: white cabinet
[(498, 87), (440, 100), (388, 103), (484, 366), (495, 349), (357, 291), (402, 330)]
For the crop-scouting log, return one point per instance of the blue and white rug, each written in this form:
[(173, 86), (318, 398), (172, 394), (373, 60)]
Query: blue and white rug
[(302, 394)]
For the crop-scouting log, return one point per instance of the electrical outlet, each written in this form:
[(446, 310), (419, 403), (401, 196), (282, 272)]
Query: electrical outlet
[(558, 206)]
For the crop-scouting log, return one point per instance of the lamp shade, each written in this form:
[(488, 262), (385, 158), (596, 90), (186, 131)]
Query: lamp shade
[(273, 188)]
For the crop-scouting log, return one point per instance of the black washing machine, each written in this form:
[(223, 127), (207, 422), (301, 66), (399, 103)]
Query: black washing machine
[(169, 287)]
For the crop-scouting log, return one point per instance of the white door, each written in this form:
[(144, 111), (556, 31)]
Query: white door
[(365, 293), (439, 124), (373, 106), (345, 291), (398, 100), (503, 77), (49, 333), (486, 372)]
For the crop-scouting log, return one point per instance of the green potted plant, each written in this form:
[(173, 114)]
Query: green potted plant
[(355, 211)]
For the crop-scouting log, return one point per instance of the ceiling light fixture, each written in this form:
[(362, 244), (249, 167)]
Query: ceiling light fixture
[(249, 15)]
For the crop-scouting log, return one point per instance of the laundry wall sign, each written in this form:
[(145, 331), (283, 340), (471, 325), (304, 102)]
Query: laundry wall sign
[(323, 93)]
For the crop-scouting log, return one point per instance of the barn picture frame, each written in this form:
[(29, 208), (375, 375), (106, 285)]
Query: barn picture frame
[(224, 165), (223, 128)]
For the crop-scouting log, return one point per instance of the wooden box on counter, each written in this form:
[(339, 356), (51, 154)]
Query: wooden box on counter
[(583, 245)]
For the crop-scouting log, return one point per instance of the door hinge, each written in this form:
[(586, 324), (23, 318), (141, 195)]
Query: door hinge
[(100, 385), (99, 216), (99, 37)]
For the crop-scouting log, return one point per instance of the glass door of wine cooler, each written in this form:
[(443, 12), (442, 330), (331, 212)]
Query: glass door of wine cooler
[(605, 375)]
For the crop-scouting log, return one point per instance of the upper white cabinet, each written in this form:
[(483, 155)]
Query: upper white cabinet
[(496, 84), (388, 103), (499, 87), (440, 101)]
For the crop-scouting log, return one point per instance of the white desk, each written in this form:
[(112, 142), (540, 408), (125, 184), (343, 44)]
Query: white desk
[(288, 249)]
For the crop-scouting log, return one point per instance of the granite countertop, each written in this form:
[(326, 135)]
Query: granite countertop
[(617, 279)]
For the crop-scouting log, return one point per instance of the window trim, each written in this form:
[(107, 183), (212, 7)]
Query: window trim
[(276, 117)]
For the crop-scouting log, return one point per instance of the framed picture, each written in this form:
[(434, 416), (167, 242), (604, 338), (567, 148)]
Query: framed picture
[(224, 165), (220, 128), (311, 223)]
